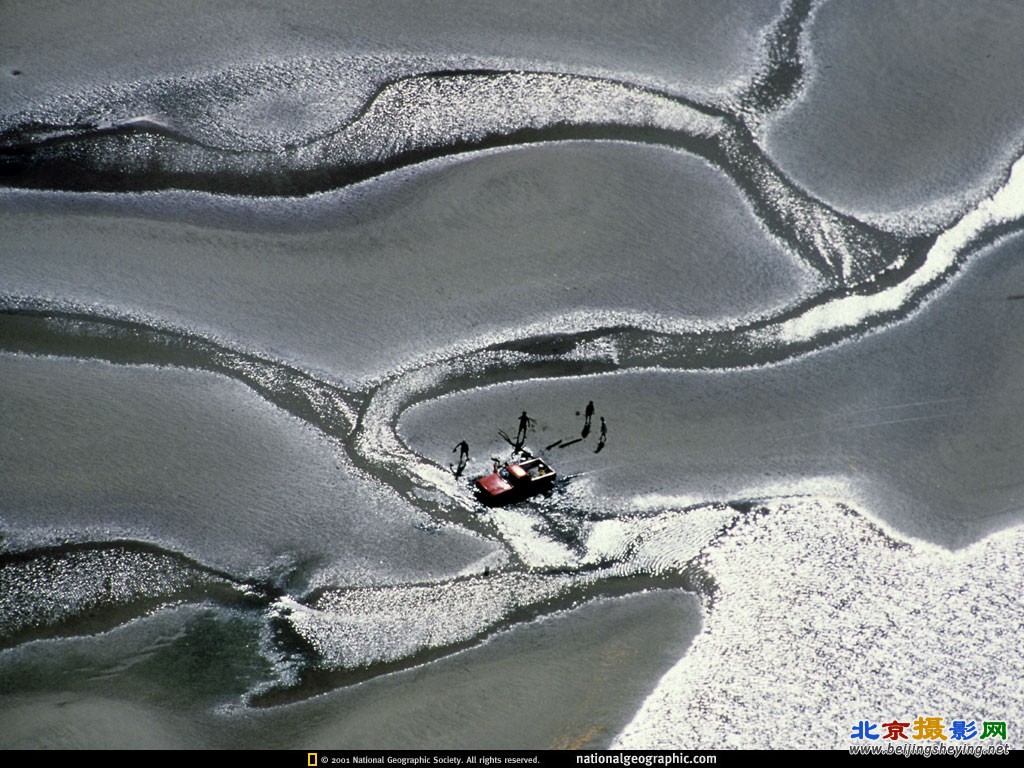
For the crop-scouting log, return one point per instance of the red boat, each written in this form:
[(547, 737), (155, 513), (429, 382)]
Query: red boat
[(515, 482)]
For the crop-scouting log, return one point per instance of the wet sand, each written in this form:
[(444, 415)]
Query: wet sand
[(569, 681)]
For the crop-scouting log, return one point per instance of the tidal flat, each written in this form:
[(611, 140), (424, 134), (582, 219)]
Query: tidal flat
[(257, 290)]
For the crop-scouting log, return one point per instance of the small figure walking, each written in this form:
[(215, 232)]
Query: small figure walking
[(463, 449), (525, 422), (603, 436)]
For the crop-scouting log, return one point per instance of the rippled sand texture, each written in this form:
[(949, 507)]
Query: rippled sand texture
[(255, 286)]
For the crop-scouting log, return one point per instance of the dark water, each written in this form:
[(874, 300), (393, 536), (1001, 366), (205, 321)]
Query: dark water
[(253, 290)]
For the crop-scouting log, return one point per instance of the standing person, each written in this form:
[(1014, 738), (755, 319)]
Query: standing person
[(587, 416), (463, 449), (603, 436), (525, 422)]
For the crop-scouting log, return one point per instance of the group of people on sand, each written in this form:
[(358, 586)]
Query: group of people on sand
[(526, 424)]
